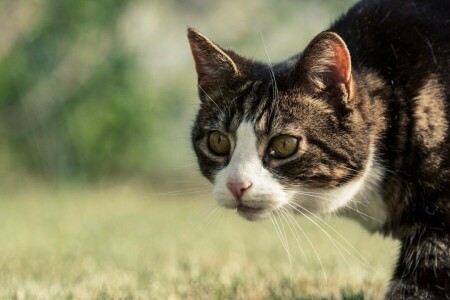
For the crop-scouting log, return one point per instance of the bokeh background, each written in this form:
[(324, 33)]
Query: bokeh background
[(98, 90), (98, 183)]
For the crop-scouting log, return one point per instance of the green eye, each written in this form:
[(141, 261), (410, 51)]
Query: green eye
[(283, 146), (219, 143)]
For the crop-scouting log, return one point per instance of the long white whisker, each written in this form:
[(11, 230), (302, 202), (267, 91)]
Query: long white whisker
[(222, 214), (287, 243), (180, 192), (278, 231), (333, 241), (312, 246), (311, 194), (340, 235), (363, 214), (210, 98), (295, 234), (283, 240), (191, 181), (213, 214), (211, 209), (360, 259)]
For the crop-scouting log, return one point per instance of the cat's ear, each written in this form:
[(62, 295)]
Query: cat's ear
[(214, 66), (325, 65)]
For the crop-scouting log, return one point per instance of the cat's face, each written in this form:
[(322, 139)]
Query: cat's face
[(292, 136)]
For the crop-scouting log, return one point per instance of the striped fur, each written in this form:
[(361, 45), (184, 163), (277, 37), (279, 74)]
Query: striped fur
[(369, 101)]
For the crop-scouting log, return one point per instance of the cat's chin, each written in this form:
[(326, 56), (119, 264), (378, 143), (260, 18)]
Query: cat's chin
[(253, 214)]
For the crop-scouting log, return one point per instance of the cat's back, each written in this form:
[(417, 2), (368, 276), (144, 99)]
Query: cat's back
[(402, 49), (400, 39)]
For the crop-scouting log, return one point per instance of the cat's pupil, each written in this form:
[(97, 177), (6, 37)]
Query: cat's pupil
[(219, 143), (283, 146)]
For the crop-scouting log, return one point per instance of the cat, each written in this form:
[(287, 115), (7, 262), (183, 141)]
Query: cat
[(357, 124)]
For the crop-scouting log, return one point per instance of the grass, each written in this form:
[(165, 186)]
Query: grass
[(124, 243)]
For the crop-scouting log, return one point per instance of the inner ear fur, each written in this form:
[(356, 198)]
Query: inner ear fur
[(325, 65), (213, 65)]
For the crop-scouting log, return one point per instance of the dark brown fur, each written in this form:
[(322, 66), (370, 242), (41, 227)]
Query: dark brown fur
[(396, 102)]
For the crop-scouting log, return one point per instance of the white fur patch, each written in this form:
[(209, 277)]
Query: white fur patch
[(359, 199), (245, 165), (367, 206)]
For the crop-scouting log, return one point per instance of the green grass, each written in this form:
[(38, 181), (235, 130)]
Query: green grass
[(123, 242)]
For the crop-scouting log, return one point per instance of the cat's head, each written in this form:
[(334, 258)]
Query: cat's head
[(293, 135)]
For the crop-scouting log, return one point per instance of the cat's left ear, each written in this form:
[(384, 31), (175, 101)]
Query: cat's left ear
[(325, 65), (214, 66)]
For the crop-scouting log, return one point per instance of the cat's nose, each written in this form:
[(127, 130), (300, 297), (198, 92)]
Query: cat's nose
[(238, 188)]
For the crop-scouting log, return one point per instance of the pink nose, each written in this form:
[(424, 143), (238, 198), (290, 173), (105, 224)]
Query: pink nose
[(238, 188)]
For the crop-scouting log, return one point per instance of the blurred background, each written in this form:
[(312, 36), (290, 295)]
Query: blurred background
[(98, 90), (97, 175)]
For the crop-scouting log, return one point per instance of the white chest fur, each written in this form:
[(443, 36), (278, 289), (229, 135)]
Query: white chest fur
[(359, 199), (367, 206)]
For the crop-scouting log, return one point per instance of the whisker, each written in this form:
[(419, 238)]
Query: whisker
[(287, 243), (221, 213), (312, 194), (283, 212), (361, 257), (342, 237), (210, 98), (296, 236), (363, 214), (212, 215), (190, 181), (311, 244), (180, 192), (278, 231), (205, 214), (333, 241)]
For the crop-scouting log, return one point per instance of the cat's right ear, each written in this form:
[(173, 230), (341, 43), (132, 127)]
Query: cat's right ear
[(326, 65), (214, 67)]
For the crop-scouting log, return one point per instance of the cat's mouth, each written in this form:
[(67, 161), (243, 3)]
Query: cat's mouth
[(253, 213)]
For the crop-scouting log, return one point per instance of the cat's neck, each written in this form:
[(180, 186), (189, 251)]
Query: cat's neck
[(367, 206)]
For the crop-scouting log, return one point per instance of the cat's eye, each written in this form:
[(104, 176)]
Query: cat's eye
[(219, 143), (283, 146)]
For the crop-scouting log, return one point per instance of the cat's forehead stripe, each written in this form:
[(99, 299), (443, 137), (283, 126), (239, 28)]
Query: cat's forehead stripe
[(254, 104)]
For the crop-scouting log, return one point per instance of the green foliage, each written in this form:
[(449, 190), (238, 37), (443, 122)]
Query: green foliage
[(89, 90), (69, 102)]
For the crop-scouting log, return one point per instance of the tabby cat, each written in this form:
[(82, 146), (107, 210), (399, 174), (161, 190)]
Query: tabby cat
[(357, 124)]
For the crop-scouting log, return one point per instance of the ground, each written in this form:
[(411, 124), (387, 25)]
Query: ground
[(123, 242)]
